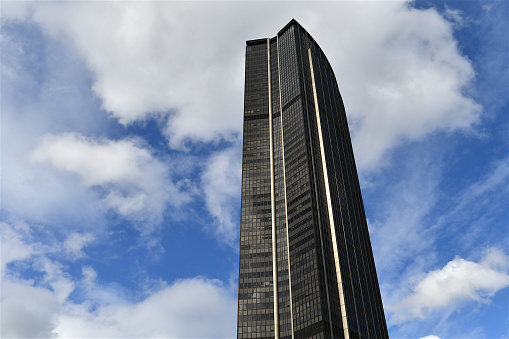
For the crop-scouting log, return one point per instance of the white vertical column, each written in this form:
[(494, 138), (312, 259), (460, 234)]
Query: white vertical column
[(273, 205), (329, 203)]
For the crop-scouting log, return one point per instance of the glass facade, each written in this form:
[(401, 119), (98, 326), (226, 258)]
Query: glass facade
[(306, 267)]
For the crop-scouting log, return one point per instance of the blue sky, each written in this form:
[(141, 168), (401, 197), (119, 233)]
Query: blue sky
[(121, 161)]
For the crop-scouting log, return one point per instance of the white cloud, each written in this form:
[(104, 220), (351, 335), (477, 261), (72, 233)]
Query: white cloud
[(55, 276), (185, 61), (388, 67), (221, 185), (27, 311), (97, 163), (43, 92), (188, 308), (155, 59), (399, 69), (17, 244), (458, 281), (136, 184), (401, 76), (13, 247), (41, 307), (430, 337), (75, 243), (420, 221), (455, 16), (191, 308)]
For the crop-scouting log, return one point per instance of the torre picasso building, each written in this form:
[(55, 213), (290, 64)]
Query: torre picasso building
[(306, 265)]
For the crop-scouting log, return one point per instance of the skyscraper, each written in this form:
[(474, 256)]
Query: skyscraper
[(306, 265)]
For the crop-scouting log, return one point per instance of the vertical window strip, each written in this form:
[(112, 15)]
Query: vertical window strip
[(273, 204), (329, 204), (286, 202)]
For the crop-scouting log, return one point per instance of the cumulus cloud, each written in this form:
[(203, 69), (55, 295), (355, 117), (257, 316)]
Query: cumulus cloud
[(430, 337), (44, 90), (27, 311), (155, 61), (417, 224), (417, 215), (98, 163), (401, 76), (135, 183), (458, 281), (400, 71), (191, 308), (42, 307), (221, 182), (188, 308)]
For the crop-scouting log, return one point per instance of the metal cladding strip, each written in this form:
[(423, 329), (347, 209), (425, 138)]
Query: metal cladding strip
[(273, 205), (329, 204), (284, 183)]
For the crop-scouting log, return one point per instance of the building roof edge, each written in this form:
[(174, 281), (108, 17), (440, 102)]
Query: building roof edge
[(288, 25), (256, 42)]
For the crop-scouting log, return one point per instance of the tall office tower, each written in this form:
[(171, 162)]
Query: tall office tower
[(306, 265)]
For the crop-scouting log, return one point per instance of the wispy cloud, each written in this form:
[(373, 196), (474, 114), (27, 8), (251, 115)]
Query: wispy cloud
[(221, 185), (420, 222), (398, 222), (75, 243), (474, 208)]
